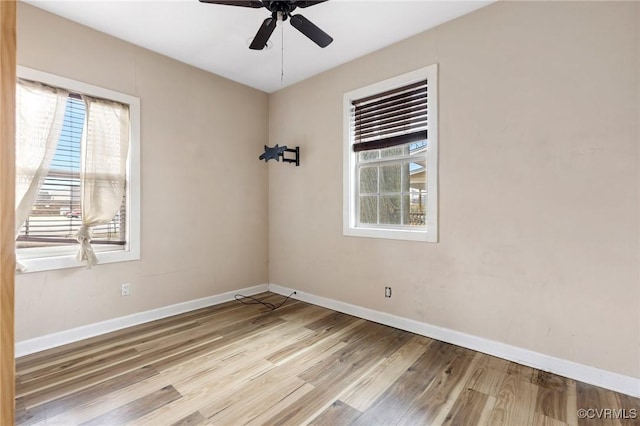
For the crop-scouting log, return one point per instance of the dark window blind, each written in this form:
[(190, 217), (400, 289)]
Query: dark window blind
[(391, 118), (56, 213)]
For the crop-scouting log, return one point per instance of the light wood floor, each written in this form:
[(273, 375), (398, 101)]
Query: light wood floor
[(238, 364)]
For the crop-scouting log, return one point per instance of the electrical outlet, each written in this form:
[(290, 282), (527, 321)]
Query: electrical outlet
[(387, 292), (125, 289)]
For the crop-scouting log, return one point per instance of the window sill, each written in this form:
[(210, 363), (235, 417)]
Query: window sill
[(391, 234), (64, 260)]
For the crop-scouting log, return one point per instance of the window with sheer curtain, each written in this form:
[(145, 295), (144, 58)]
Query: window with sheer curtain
[(77, 173), (390, 158)]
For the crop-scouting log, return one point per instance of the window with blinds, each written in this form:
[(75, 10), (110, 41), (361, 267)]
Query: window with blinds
[(394, 117), (390, 158), (56, 214)]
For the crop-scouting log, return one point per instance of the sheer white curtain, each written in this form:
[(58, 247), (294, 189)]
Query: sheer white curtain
[(39, 119), (105, 145)]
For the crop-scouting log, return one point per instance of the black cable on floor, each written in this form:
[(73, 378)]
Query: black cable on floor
[(253, 301)]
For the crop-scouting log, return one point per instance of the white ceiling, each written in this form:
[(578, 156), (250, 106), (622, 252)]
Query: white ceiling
[(216, 37)]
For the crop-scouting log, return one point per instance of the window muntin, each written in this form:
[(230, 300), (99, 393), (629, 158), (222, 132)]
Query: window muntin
[(108, 250), (390, 159)]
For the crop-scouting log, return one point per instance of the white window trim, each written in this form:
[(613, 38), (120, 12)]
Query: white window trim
[(349, 220), (46, 259)]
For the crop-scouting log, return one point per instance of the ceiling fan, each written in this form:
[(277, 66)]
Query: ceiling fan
[(281, 10)]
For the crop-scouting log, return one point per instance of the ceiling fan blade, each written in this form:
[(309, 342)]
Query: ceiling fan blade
[(263, 34), (254, 3), (303, 3), (309, 29)]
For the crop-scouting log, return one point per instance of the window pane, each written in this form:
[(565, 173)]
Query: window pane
[(418, 208), (369, 209), (417, 146), (369, 180), (395, 151), (390, 209), (418, 174), (368, 155), (390, 178)]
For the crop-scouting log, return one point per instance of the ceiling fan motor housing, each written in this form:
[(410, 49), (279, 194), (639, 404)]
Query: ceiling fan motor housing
[(282, 9)]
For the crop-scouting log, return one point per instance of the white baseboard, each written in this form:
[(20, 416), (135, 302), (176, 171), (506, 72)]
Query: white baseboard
[(26, 347), (584, 373)]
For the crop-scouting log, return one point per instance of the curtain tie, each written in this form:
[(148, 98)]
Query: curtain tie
[(85, 252)]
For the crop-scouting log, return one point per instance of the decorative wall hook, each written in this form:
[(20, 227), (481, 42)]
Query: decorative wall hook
[(277, 152)]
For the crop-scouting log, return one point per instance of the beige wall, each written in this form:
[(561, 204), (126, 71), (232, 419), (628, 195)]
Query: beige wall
[(204, 202), (539, 184)]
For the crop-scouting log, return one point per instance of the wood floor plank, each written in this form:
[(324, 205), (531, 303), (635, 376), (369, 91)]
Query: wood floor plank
[(334, 319), (229, 335), (306, 408), (308, 315), (488, 375), (542, 420), (175, 411), (137, 408), (118, 337), (84, 396), (232, 408), (394, 403), (548, 380), (53, 380), (380, 341), (467, 409), (232, 364), (337, 413), (457, 388), (591, 397), (552, 402), (218, 381), (106, 402), (371, 386), (89, 352), (216, 388), (305, 361), (628, 404), (307, 342), (205, 389), (339, 371), (368, 332), (523, 372), (220, 356), (291, 400), (48, 389), (446, 386), (193, 419), (246, 364), (302, 360), (516, 400), (86, 363)]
